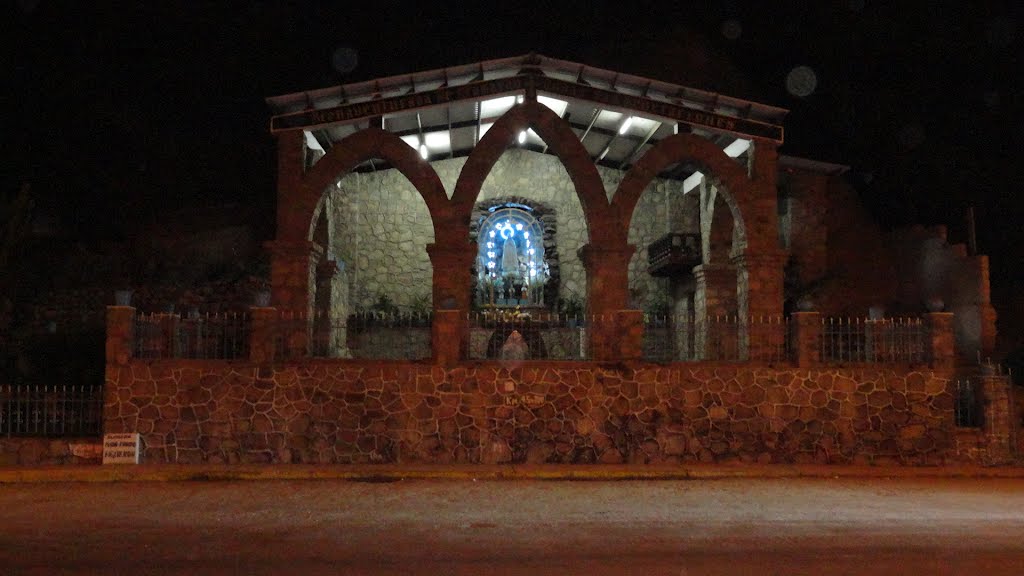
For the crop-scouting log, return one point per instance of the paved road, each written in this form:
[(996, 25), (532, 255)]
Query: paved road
[(877, 526)]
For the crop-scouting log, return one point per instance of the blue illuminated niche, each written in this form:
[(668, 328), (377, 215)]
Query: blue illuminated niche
[(511, 261)]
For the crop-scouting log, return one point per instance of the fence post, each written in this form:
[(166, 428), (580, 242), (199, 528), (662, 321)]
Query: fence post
[(446, 336), (806, 338), (169, 334), (261, 334), (942, 350), (120, 334), (997, 417), (630, 325)]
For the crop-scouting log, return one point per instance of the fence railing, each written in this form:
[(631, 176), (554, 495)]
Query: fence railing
[(221, 336), (533, 336), (717, 338), (370, 335), (966, 405), (51, 411), (875, 341)]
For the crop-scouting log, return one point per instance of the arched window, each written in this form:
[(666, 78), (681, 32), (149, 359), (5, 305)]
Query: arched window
[(511, 267)]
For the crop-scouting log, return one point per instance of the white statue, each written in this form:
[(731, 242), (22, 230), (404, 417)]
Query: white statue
[(509, 257)]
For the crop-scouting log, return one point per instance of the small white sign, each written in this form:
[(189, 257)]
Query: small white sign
[(121, 448)]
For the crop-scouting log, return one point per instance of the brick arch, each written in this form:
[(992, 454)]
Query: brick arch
[(560, 139), (297, 221), (738, 191)]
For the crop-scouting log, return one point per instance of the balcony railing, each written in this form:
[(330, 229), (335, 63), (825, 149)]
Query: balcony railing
[(673, 254)]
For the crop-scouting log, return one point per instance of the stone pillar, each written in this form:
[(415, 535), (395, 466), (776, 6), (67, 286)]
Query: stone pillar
[(607, 293), (714, 301), (940, 339), (120, 334), (451, 294), (986, 313), (997, 421), (168, 333), (630, 325), (292, 218), (682, 323), (261, 334), (759, 290), (764, 161), (331, 311), (448, 335), (293, 285), (806, 338), (292, 274)]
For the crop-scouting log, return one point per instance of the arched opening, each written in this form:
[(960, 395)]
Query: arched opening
[(528, 282), (380, 228), (702, 303)]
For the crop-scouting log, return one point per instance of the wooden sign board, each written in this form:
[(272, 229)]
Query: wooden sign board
[(121, 448)]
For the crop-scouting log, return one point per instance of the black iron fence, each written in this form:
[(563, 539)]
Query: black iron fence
[(370, 335), (51, 411), (222, 336), (966, 405), (875, 341), (512, 335), (533, 335), (717, 338)]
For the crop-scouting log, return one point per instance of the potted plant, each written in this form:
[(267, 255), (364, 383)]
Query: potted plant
[(572, 308)]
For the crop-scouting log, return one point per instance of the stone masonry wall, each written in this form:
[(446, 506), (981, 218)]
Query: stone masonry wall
[(49, 451), (382, 225), (354, 411)]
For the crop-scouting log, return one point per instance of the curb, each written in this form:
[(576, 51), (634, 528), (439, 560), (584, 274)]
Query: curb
[(390, 473)]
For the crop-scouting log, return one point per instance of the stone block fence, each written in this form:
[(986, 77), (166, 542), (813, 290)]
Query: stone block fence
[(445, 410)]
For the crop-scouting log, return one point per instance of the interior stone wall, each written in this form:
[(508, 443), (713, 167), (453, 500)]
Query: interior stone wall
[(381, 225), (381, 229), (569, 412)]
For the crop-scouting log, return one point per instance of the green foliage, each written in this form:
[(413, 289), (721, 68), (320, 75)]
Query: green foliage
[(384, 304), (421, 304), (571, 306), (658, 305)]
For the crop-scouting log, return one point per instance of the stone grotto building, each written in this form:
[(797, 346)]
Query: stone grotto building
[(534, 260)]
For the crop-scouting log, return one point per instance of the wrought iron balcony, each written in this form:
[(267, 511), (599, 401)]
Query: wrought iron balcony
[(673, 254)]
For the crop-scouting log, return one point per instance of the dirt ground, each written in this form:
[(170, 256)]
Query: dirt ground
[(682, 528)]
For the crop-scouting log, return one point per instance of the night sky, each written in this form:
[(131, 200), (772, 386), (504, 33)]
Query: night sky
[(141, 109)]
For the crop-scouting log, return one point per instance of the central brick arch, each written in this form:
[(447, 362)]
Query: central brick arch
[(296, 215), (560, 139)]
